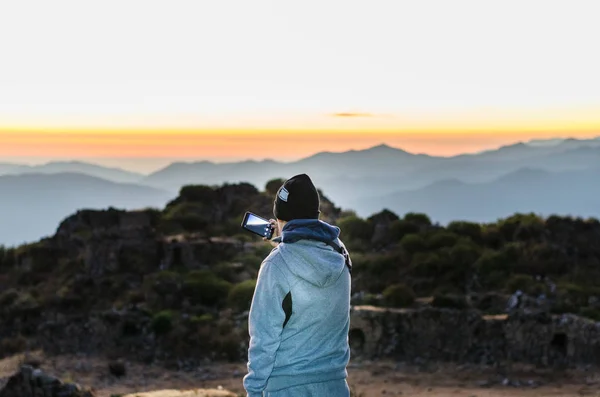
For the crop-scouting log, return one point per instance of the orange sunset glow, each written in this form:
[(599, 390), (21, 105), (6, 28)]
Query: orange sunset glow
[(256, 83), (281, 144)]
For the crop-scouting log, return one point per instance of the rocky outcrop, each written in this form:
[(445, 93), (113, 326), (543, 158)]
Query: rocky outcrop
[(30, 382), (466, 336)]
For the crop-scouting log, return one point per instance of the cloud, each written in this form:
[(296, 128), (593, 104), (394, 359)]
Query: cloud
[(352, 114)]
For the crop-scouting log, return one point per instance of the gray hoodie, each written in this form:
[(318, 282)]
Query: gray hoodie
[(300, 313)]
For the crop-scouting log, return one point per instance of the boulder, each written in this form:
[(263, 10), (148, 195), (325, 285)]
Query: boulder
[(30, 382)]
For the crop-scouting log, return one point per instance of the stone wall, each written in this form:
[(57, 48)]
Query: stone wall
[(409, 335), (466, 336)]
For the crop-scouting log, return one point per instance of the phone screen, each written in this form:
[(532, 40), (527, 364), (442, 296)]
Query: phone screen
[(257, 225)]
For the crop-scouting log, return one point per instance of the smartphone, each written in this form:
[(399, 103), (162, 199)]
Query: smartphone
[(258, 225)]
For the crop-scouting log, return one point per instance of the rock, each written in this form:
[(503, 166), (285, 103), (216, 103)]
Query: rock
[(34, 383), (117, 368)]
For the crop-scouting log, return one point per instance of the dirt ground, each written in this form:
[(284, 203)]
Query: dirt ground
[(365, 378)]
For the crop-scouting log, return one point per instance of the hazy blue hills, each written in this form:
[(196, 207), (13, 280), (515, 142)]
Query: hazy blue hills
[(55, 167), (574, 193), (545, 176), (33, 205)]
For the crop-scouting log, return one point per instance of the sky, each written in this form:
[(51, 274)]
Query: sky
[(224, 80)]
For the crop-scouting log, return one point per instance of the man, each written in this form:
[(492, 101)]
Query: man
[(300, 313)]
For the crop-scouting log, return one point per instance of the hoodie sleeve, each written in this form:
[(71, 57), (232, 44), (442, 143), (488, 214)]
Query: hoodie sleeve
[(265, 324)]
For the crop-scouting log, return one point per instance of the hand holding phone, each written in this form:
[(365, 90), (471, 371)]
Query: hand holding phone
[(258, 225)]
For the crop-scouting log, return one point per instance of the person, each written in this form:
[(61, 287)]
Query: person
[(300, 313)]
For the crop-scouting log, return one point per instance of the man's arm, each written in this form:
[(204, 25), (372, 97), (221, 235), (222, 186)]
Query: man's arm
[(265, 325)]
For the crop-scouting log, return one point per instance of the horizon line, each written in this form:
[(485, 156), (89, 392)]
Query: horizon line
[(91, 160)]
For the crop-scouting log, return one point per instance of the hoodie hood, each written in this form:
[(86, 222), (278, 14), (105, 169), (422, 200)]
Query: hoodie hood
[(303, 247)]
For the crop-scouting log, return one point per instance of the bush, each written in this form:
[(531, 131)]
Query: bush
[(521, 227), (521, 282), (198, 193), (503, 261), (7, 257), (162, 322), (9, 346), (353, 227), (421, 220), (413, 243), (204, 287), (590, 312), (450, 301), (462, 259), (188, 217), (401, 228), (240, 296), (204, 319), (441, 239), (8, 297), (427, 264), (466, 229), (398, 295)]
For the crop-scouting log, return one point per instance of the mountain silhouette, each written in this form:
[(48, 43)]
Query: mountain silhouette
[(32, 205), (109, 173), (504, 179), (570, 193)]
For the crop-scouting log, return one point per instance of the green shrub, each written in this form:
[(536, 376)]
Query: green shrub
[(521, 227), (353, 227), (240, 296), (8, 297), (491, 236), (413, 243), (198, 193), (419, 219), (400, 228), (521, 282), (590, 312), (450, 301), (204, 319), (383, 263), (503, 261), (204, 287), (162, 322), (441, 239), (398, 295), (9, 346), (427, 264), (7, 257), (466, 229)]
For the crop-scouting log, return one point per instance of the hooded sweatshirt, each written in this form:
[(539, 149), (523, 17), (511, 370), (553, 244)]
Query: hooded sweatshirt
[(300, 313)]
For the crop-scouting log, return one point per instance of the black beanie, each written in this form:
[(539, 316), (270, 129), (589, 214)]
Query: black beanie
[(297, 198)]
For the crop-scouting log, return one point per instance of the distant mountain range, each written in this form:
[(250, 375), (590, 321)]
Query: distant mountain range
[(527, 190), (33, 205), (545, 176), (112, 174)]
